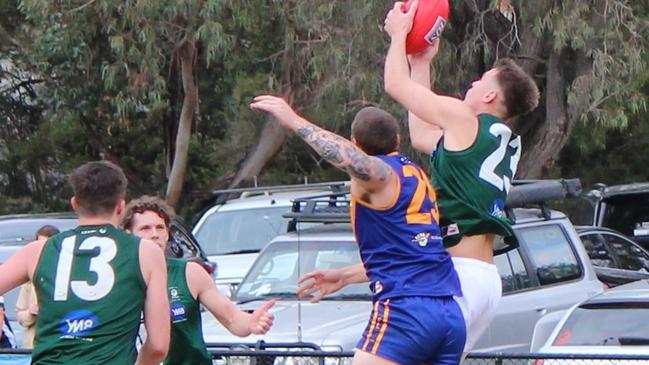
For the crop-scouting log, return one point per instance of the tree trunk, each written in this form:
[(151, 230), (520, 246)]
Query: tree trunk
[(269, 145), (187, 55), (551, 136)]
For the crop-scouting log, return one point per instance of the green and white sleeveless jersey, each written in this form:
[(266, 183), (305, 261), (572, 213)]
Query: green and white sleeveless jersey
[(91, 293), (187, 345), (472, 184)]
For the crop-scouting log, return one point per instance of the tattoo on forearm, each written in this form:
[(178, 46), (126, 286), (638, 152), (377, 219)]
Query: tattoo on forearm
[(359, 164), (328, 149), (343, 154), (305, 132)]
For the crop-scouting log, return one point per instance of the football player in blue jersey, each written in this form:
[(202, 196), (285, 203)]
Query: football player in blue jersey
[(394, 216)]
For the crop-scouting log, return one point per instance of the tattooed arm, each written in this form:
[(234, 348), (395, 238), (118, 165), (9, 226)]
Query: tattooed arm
[(370, 172)]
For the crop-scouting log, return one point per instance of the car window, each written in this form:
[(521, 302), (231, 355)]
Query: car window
[(240, 230), (506, 273), (513, 274), (23, 230), (630, 257), (609, 325), (550, 253), (597, 249), (276, 270), (628, 214), (523, 279)]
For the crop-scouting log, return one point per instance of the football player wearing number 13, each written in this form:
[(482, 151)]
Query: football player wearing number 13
[(90, 291), (474, 156), (394, 216)]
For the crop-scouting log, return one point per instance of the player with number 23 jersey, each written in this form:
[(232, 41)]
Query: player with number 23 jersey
[(472, 184)]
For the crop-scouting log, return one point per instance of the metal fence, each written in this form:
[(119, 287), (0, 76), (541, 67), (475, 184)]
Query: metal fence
[(308, 354)]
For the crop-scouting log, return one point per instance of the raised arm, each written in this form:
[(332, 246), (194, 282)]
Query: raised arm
[(423, 136), (369, 172), (448, 113), (238, 322), (156, 305)]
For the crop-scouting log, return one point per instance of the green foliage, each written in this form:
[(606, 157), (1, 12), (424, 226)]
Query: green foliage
[(112, 87)]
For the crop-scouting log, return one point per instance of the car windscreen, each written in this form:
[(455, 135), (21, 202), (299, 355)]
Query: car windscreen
[(23, 230), (606, 325), (276, 271), (628, 214), (226, 232)]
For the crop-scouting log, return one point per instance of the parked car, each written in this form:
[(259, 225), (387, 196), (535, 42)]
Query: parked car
[(617, 259), (624, 208), (548, 272), (234, 231), (611, 323)]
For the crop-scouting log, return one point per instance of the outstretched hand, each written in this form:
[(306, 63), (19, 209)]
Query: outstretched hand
[(261, 320), (323, 282), (277, 107), (398, 23)]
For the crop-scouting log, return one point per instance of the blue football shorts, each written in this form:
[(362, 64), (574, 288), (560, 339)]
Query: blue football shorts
[(415, 331)]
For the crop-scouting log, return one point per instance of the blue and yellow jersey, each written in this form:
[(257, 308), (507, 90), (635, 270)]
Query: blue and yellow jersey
[(400, 244)]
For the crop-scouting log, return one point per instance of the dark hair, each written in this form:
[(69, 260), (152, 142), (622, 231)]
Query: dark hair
[(376, 131), (147, 203), (98, 187), (519, 88), (47, 231)]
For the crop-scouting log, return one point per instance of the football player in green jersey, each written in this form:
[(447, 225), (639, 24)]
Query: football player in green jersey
[(190, 286), (474, 156), (94, 281)]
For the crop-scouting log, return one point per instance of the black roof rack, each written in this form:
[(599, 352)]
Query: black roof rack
[(334, 207)]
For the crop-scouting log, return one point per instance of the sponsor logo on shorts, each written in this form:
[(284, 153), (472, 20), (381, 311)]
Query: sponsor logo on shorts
[(378, 287), (436, 30), (78, 323), (178, 313)]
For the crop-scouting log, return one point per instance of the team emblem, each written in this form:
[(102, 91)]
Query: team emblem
[(378, 287), (422, 239)]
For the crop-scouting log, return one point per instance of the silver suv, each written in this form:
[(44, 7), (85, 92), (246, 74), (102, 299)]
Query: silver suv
[(233, 232), (549, 271)]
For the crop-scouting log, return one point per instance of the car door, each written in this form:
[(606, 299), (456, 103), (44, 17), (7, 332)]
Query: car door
[(628, 255), (513, 312), (547, 274)]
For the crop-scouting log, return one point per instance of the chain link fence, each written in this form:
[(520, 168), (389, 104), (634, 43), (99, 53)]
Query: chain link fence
[(308, 354)]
